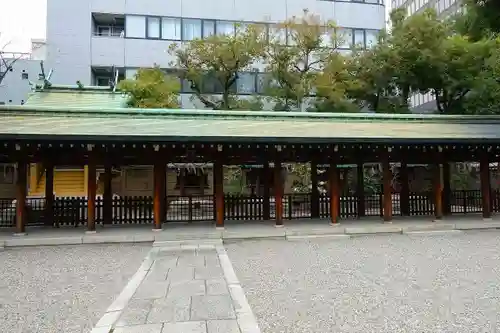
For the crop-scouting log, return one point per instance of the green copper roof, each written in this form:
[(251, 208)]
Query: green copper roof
[(72, 96), (262, 126)]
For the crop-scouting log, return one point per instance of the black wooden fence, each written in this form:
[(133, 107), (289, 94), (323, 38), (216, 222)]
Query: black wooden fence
[(72, 211)]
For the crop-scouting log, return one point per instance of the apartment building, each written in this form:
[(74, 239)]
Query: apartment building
[(88, 38), (15, 87)]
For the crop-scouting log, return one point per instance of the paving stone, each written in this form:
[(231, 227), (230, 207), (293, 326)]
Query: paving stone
[(212, 261), (186, 289), (191, 261), (169, 310), (211, 307), (135, 313), (148, 328), (205, 273), (217, 287), (179, 274), (151, 290), (222, 326), (156, 275), (186, 327), (165, 262)]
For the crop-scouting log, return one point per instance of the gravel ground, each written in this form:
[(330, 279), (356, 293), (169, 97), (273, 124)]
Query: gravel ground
[(62, 289), (373, 284)]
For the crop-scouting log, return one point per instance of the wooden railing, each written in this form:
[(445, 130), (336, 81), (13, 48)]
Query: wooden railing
[(72, 211)]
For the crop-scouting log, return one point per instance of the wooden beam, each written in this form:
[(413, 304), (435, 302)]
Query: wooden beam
[(159, 174), (334, 186), (438, 191), (266, 205), (107, 197), (91, 193), (278, 192), (21, 191), (485, 186), (446, 189), (314, 190), (219, 193), (360, 189), (387, 179), (405, 189), (49, 195)]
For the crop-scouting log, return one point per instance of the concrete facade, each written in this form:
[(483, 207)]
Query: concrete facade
[(130, 34)]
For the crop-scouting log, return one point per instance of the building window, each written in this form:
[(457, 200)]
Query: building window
[(277, 34), (24, 76), (171, 28), (345, 38), (371, 38), (135, 26), (191, 29), (246, 83), (208, 28), (225, 28), (359, 38), (154, 27)]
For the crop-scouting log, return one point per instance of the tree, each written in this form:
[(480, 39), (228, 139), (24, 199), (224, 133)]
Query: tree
[(401, 63), (7, 59), (334, 84), (213, 64), (152, 88), (293, 68), (480, 18), (461, 70)]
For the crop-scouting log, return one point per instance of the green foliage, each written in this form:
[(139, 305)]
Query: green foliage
[(219, 58), (152, 88), (480, 19), (293, 69)]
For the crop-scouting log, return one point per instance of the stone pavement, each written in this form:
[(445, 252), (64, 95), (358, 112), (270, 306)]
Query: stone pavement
[(188, 289), (293, 229)]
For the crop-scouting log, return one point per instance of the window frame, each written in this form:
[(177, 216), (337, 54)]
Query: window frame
[(159, 18), (145, 26)]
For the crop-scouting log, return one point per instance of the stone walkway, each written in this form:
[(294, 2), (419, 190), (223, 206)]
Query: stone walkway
[(187, 289)]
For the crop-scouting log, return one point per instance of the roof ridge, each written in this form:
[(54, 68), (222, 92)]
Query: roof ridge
[(231, 114)]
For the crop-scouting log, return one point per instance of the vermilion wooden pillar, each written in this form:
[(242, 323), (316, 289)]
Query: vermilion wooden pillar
[(360, 189), (278, 193), (485, 186), (21, 183), (334, 187), (405, 189), (438, 191), (159, 175), (266, 205), (446, 189), (91, 193), (387, 179), (219, 194), (49, 195), (107, 195), (314, 190)]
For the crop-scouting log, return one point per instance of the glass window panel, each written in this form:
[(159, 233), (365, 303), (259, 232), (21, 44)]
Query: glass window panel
[(130, 73), (371, 1), (326, 38), (345, 38), (359, 38), (246, 83), (153, 27), (191, 29), (241, 26), (135, 26), (371, 37), (171, 28), (278, 34), (262, 82), (225, 28), (208, 28)]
